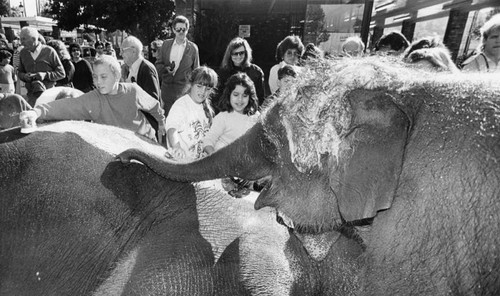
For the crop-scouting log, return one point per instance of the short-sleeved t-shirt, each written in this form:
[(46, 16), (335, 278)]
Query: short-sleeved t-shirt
[(189, 120)]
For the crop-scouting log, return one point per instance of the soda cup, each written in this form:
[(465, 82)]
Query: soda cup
[(28, 121)]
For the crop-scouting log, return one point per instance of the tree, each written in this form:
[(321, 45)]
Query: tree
[(4, 8), (315, 25), (141, 18), (213, 30)]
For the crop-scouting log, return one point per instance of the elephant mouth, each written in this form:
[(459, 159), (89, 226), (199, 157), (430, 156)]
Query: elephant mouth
[(317, 245)]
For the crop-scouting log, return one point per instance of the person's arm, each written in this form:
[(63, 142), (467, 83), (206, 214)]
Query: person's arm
[(175, 150), (216, 130), (150, 82), (14, 76), (160, 60), (273, 78), (259, 86), (21, 71), (88, 75), (147, 103), (196, 62), (70, 71), (66, 109)]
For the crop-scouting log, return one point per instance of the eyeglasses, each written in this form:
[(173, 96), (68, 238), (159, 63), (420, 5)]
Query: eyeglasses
[(75, 50), (179, 30), (239, 53), (292, 53)]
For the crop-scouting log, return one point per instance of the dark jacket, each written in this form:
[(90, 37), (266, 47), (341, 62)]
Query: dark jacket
[(69, 69)]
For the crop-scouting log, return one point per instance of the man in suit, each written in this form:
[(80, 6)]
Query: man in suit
[(176, 59), (139, 70)]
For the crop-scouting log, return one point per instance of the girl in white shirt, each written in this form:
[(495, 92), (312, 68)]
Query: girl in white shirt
[(239, 113), (191, 116)]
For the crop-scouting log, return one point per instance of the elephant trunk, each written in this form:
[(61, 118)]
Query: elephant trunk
[(243, 158)]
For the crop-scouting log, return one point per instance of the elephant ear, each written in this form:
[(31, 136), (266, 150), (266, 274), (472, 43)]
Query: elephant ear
[(371, 155)]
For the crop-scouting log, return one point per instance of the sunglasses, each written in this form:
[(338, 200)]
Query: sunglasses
[(179, 30), (239, 53)]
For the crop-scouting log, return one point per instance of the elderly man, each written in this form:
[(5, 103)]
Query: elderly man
[(177, 58), (141, 71), (40, 66)]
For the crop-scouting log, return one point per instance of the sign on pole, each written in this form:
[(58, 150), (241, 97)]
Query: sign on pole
[(244, 31)]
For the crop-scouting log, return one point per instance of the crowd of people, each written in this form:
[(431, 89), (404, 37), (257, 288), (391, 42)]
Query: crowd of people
[(195, 110)]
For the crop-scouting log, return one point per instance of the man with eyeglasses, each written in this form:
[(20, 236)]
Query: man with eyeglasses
[(139, 70), (176, 59)]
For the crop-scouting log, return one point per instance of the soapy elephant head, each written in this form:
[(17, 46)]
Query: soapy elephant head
[(410, 158)]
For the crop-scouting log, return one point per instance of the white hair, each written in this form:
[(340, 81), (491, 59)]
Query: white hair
[(30, 31), (134, 42)]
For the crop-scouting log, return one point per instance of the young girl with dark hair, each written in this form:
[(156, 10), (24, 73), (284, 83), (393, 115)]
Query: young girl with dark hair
[(191, 116), (238, 107)]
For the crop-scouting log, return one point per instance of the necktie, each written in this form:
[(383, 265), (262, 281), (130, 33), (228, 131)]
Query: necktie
[(132, 79)]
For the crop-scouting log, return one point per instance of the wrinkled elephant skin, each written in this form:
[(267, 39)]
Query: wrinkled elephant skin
[(75, 222), (410, 158), (10, 107)]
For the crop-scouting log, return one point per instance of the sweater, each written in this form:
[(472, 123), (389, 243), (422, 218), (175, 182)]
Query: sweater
[(227, 127), (121, 109), (47, 61)]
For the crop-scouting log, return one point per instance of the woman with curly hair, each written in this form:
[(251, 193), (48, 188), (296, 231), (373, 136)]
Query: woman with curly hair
[(239, 113)]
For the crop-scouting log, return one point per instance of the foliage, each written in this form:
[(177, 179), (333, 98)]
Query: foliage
[(213, 30), (4, 7), (316, 25), (142, 18), (16, 12)]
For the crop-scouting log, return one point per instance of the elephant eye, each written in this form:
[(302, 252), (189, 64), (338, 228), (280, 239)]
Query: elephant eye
[(269, 144)]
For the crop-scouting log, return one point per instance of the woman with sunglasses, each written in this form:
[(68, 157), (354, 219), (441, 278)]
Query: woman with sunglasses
[(82, 79), (238, 58), (288, 52), (155, 49), (177, 58)]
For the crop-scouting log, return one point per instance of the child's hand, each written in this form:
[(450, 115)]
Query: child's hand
[(175, 153), (28, 118)]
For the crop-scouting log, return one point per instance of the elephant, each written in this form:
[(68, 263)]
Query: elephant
[(74, 221), (409, 159)]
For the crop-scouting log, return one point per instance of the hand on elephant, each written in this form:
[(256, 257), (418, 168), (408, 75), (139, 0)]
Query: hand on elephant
[(28, 118), (175, 153)]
